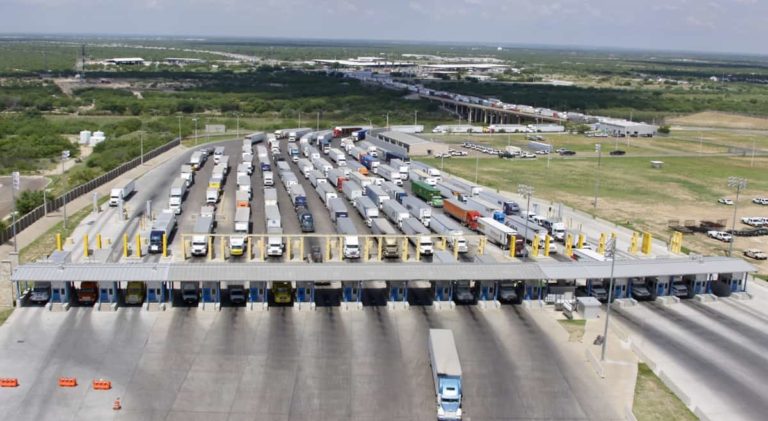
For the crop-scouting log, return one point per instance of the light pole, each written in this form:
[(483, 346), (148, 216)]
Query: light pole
[(415, 117), (64, 155), (195, 120), (609, 251), (477, 166), (738, 183), (599, 150), (299, 118), (141, 146), (16, 186), (179, 128), (45, 202), (387, 120), (526, 191), (237, 117)]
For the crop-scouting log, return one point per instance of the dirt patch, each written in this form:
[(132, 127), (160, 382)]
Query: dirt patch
[(716, 119)]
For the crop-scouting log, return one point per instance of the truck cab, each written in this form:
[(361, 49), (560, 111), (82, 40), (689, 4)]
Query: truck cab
[(134, 292), (351, 247), (189, 293), (88, 293)]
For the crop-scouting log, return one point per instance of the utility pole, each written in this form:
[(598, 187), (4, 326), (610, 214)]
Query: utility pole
[(179, 128), (599, 150), (526, 191), (238, 125), (318, 121), (610, 251), (415, 117), (738, 183), (141, 141), (299, 118), (195, 120), (16, 186), (64, 156)]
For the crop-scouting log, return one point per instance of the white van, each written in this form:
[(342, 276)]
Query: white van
[(269, 179)]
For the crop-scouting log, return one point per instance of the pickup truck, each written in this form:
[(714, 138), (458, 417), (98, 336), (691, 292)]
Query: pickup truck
[(720, 235)]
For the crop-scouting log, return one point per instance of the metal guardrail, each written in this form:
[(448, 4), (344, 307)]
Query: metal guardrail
[(52, 205)]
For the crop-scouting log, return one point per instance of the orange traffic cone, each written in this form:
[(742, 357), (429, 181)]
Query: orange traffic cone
[(116, 406)]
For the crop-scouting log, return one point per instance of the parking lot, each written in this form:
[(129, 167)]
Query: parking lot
[(284, 364)]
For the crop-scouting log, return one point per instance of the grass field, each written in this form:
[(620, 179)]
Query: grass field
[(5, 314), (46, 243), (654, 401), (716, 119), (575, 329)]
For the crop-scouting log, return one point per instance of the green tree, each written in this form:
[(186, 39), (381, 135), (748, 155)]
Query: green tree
[(665, 129), (28, 200)]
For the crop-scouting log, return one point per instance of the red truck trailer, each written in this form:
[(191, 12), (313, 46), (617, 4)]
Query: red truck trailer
[(465, 214)]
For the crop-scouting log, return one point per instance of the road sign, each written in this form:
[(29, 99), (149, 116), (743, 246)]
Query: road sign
[(16, 180), (65, 154)]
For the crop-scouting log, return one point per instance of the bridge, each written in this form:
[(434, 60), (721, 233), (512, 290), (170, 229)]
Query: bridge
[(476, 113)]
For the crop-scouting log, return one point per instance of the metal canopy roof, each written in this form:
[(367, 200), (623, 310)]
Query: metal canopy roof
[(233, 272)]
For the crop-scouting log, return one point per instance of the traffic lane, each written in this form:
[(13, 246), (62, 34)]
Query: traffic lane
[(733, 324), (721, 379)]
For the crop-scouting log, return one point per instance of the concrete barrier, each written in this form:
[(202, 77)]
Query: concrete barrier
[(643, 357), (741, 296), (667, 300), (705, 298), (257, 306), (443, 305), (675, 389), (351, 306), (628, 414), (702, 416), (304, 306), (488, 305), (625, 302), (398, 305)]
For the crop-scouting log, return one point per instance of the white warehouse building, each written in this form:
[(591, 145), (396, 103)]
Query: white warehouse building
[(409, 144), (623, 128)]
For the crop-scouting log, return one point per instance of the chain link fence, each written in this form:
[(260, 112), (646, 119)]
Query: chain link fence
[(52, 205)]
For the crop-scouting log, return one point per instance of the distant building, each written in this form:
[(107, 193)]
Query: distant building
[(622, 128), (180, 61), (409, 144), (125, 61)]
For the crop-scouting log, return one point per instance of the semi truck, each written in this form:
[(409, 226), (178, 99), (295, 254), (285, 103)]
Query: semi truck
[(272, 216), (337, 209), (351, 242), (326, 193), (316, 178), (188, 174), (296, 134), (496, 232), (401, 166), (270, 196), (289, 179), (360, 179), (377, 195), (427, 193), (446, 373), (306, 221), (305, 166), (518, 224), (264, 164), (164, 225), (242, 199), (390, 174), (176, 195), (461, 212), (357, 167), (509, 207), (268, 178), (418, 209), (488, 210), (446, 227), (121, 192), (275, 245), (197, 160), (371, 163), (211, 195), (298, 195), (244, 184), (337, 178), (202, 231), (418, 235), (394, 191), (218, 152), (367, 209), (352, 191), (338, 156), (395, 212), (242, 229), (390, 246)]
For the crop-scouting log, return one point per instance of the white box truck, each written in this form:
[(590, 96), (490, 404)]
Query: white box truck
[(270, 196), (496, 232), (165, 224), (390, 174), (352, 191), (390, 245), (242, 229), (275, 245), (418, 209), (121, 192), (395, 212), (272, 216), (176, 195), (446, 227)]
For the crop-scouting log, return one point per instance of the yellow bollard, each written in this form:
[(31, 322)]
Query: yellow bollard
[(418, 252), (165, 245), (535, 246), (569, 245), (248, 248), (366, 247), (125, 245), (288, 250), (138, 245), (341, 248), (444, 243), (98, 241), (547, 240), (647, 242), (405, 249), (301, 248), (601, 244), (327, 249), (379, 247), (633, 243), (261, 248), (58, 241), (455, 249), (580, 244), (184, 247), (511, 246), (85, 245), (481, 246)]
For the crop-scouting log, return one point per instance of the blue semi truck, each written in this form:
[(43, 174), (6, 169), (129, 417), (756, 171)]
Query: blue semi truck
[(446, 373)]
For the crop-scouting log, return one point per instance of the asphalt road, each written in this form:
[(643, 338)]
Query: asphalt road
[(285, 365), (716, 352)]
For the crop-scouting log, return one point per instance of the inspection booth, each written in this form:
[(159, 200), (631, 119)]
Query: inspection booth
[(588, 307), (351, 291)]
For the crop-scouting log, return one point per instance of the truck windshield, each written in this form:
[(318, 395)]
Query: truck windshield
[(156, 236)]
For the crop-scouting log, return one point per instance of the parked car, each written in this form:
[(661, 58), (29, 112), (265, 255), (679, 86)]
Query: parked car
[(567, 152), (725, 201), (760, 200), (720, 235), (755, 254), (618, 152)]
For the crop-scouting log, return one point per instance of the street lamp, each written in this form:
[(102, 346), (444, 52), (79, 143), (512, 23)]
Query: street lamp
[(179, 128), (195, 120), (610, 251), (738, 183), (526, 191), (599, 150)]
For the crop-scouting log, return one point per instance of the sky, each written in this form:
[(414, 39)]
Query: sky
[(690, 25)]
